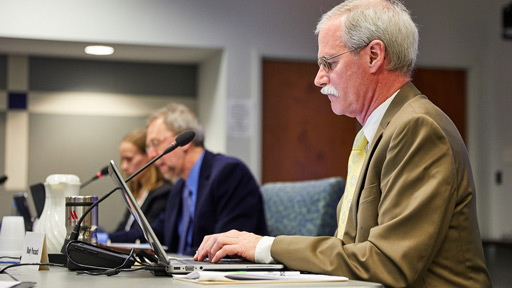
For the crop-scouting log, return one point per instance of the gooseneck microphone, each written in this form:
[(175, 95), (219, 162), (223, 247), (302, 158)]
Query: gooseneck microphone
[(101, 173), (3, 179), (181, 140), (91, 256)]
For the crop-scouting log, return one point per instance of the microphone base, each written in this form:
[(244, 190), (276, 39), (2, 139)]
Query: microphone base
[(85, 256), (57, 258)]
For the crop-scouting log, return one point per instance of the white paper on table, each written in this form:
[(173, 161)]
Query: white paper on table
[(8, 284)]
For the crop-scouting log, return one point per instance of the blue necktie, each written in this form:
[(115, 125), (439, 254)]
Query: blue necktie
[(186, 220)]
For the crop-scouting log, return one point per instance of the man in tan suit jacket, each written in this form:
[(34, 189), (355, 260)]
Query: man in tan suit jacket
[(412, 220)]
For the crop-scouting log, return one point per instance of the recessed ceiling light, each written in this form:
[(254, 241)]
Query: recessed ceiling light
[(99, 50)]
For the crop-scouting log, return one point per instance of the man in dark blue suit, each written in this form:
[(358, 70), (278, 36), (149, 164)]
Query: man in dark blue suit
[(213, 193)]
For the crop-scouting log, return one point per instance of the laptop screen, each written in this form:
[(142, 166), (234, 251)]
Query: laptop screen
[(134, 208)]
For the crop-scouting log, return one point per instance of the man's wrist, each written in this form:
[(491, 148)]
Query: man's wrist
[(262, 252)]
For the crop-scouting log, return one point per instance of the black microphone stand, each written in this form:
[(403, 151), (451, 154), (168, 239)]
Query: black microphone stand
[(116, 259), (76, 231), (103, 172)]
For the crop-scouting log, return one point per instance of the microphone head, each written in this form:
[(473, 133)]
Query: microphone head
[(104, 171), (3, 179), (184, 138), (181, 140)]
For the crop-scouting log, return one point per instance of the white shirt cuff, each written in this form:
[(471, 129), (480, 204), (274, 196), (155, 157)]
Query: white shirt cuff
[(262, 253)]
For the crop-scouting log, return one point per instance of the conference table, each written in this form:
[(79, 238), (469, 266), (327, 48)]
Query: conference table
[(58, 277)]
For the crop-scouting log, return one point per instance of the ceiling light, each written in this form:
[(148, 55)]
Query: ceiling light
[(99, 50)]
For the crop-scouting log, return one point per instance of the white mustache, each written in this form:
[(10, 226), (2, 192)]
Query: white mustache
[(329, 90)]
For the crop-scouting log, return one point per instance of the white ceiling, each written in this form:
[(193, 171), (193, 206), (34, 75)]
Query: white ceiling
[(123, 52)]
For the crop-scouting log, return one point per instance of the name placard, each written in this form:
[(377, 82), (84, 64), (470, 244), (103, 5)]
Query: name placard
[(34, 250)]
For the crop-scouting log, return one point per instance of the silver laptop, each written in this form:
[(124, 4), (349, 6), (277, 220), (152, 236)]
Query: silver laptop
[(174, 264)]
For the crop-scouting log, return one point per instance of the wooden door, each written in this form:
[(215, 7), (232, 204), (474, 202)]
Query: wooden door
[(447, 89), (302, 138)]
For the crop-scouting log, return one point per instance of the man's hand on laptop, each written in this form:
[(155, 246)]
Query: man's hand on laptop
[(232, 243)]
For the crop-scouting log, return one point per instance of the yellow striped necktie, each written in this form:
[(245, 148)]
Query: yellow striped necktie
[(355, 163)]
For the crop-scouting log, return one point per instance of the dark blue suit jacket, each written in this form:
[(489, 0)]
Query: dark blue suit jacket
[(228, 197)]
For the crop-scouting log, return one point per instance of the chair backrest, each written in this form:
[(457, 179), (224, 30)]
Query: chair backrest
[(302, 207), (38, 193)]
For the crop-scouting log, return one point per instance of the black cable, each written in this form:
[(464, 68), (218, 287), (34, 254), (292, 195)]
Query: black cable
[(10, 257), (111, 272), (146, 257), (28, 264), (98, 271), (140, 260)]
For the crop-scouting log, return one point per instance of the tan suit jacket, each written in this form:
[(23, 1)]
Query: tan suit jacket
[(412, 222)]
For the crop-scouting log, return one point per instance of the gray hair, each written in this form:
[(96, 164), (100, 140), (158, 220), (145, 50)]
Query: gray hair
[(179, 118), (386, 20)]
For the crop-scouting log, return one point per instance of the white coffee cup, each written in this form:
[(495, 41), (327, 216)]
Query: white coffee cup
[(12, 236)]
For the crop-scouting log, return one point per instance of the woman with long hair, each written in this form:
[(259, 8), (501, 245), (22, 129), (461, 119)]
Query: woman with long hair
[(149, 188)]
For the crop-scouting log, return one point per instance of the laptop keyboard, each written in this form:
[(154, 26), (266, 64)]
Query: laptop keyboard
[(190, 261)]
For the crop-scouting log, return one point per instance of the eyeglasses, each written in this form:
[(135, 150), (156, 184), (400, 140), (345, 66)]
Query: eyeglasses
[(155, 143), (324, 60)]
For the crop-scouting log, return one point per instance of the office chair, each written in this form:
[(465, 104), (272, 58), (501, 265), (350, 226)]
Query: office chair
[(302, 207)]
